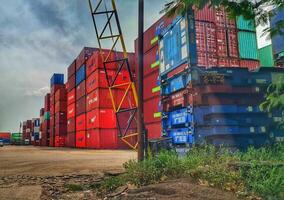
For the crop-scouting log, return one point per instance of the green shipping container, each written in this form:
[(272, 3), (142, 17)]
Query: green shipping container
[(244, 24), (247, 45), (266, 56), (46, 115), (16, 135)]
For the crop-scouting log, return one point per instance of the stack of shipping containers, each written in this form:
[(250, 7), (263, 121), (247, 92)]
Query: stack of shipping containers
[(71, 99), (56, 83), (16, 138), (60, 117), (41, 117), (5, 137), (217, 103), (80, 93), (35, 131), (27, 127), (247, 43), (151, 83), (101, 122), (45, 133)]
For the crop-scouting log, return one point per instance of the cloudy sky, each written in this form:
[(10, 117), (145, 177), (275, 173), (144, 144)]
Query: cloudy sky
[(40, 37)]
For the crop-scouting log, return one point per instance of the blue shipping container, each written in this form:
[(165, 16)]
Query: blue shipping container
[(179, 117), (173, 46), (80, 75), (176, 83), (277, 40), (180, 136), (57, 79)]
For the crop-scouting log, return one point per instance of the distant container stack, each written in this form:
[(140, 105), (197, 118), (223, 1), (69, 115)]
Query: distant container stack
[(45, 133), (16, 138), (35, 131), (57, 106), (26, 129), (5, 137)]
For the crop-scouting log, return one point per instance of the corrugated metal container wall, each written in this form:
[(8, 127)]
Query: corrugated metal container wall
[(85, 54), (278, 40), (173, 47), (80, 75), (266, 56), (57, 79), (71, 69), (206, 14), (244, 24), (247, 45)]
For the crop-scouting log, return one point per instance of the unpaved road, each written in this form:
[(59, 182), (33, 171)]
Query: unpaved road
[(28, 172), (41, 161)]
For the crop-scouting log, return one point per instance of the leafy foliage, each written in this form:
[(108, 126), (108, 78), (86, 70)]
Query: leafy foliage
[(251, 10), (274, 99)]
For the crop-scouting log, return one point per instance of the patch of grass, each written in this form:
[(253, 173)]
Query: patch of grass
[(74, 187), (109, 184), (256, 174)]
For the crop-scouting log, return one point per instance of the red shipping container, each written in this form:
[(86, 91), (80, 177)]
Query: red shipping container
[(84, 55), (52, 120), (81, 106), (154, 130), (206, 37), (99, 98), (52, 109), (250, 64), (206, 14), (71, 83), (101, 118), (233, 43), (55, 87), (59, 141), (5, 135), (102, 139), (98, 79), (151, 87), (81, 139), (60, 118), (151, 63), (223, 20), (71, 111), (222, 50), (81, 122), (47, 102), (207, 60), (71, 125), (60, 95), (152, 110), (60, 129), (95, 62), (71, 97), (228, 62), (178, 99), (81, 90), (70, 140), (52, 100), (72, 69), (61, 106), (51, 138)]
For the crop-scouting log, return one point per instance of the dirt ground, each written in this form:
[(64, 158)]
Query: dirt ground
[(45, 161), (31, 173), (27, 172)]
